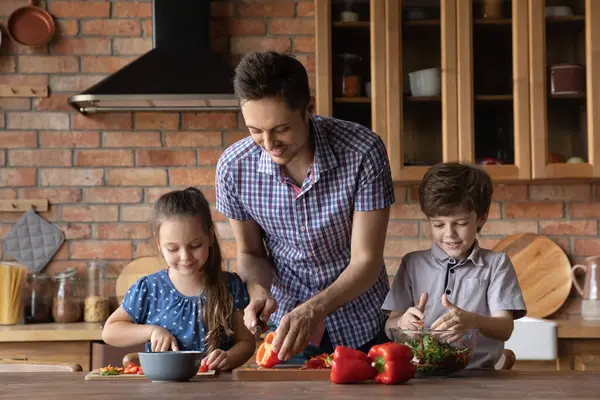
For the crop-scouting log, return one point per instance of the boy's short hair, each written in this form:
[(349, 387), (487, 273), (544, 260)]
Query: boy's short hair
[(272, 74), (451, 185)]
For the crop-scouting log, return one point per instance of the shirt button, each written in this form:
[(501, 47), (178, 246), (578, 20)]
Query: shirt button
[(302, 228), (451, 271), (448, 291), (316, 269)]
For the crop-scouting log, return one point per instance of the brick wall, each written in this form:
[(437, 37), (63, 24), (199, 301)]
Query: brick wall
[(102, 173)]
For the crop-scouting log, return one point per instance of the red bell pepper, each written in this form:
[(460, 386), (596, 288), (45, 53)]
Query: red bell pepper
[(350, 366), (265, 356), (392, 362)]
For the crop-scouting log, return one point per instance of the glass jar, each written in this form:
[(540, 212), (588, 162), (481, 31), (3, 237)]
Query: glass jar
[(66, 306), (37, 299), (96, 306)]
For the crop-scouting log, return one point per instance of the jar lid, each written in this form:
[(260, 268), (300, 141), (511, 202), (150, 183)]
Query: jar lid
[(66, 274), (39, 276)]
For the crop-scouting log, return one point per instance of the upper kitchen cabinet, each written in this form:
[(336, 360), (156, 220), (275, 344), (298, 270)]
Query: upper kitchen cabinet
[(564, 56), (350, 59), (421, 79), (493, 87)]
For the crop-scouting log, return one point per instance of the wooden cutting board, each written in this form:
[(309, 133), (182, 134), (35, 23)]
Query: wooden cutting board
[(135, 270), (95, 376), (543, 270), (279, 373)]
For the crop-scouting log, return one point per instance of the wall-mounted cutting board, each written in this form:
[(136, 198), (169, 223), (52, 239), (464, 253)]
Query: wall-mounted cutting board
[(135, 270), (543, 270), (281, 372), (95, 376)]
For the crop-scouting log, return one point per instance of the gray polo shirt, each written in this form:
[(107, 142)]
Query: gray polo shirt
[(485, 282)]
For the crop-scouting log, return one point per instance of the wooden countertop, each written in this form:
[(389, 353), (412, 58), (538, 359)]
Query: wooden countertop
[(578, 329), (51, 332), (470, 384)]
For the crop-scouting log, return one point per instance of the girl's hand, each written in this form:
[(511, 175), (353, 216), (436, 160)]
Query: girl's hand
[(162, 340), (217, 360)]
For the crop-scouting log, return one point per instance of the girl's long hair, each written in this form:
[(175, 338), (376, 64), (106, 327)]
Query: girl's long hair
[(218, 308)]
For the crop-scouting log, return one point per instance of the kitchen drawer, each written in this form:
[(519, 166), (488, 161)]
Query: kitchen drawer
[(70, 352)]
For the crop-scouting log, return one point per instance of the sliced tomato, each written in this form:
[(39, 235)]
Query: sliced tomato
[(203, 368)]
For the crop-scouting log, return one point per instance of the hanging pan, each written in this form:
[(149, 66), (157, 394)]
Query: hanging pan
[(31, 25)]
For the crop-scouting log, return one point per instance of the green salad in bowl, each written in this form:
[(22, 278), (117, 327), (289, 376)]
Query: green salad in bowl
[(436, 352)]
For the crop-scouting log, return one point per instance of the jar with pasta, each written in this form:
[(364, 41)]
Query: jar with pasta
[(12, 279), (66, 305), (97, 301)]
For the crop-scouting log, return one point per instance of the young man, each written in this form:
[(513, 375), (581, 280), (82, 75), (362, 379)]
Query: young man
[(308, 199), (457, 284)]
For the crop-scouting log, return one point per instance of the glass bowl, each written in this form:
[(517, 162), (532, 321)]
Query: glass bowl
[(436, 352)]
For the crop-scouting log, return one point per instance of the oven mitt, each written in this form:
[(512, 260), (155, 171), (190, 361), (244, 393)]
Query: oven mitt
[(33, 241)]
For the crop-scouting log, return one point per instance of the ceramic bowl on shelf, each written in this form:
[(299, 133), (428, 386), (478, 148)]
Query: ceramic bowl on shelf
[(425, 82)]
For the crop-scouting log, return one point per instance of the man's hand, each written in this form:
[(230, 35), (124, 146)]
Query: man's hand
[(294, 331), (261, 305)]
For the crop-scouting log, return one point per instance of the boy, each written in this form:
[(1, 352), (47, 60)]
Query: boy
[(456, 284)]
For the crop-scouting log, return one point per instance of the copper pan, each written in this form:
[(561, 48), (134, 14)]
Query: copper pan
[(31, 25)]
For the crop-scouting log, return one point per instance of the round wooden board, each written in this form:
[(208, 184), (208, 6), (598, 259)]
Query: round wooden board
[(543, 270), (135, 270)]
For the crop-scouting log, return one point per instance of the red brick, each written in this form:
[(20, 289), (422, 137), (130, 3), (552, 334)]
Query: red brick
[(152, 194), (132, 10), (2, 158), (136, 46), (509, 227), (192, 176), (154, 121), (4, 230), (48, 64), (148, 27), (239, 27), (67, 27), (268, 9), (96, 249), (136, 177), (400, 193), (584, 210), (62, 253), (104, 64), (136, 213), (117, 121), (8, 64), (57, 102), (229, 249), (146, 249), (398, 248), (104, 158), (407, 229), (76, 231), (2, 121), (155, 158), (569, 227), (122, 231), (82, 46), (221, 9), (230, 138), (112, 195), (8, 6), (131, 139), (241, 45), (534, 210), (12, 47), (18, 139), (509, 192), (306, 9), (15, 79), (220, 46), (54, 196), (39, 158), (111, 27), (37, 120), (586, 247), (425, 228), (15, 104), (78, 9), (406, 211), (69, 139), (88, 213), (8, 194), (308, 60), (71, 177), (579, 192), (74, 83), (209, 157), (210, 120), (232, 266), (57, 266), (304, 45), (494, 212), (292, 26), (17, 177), (412, 193), (193, 139)]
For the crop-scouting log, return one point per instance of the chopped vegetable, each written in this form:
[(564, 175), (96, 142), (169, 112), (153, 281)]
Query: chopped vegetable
[(434, 357), (265, 356), (322, 361), (203, 368), (110, 370)]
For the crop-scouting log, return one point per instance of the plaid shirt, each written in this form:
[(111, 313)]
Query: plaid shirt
[(308, 236)]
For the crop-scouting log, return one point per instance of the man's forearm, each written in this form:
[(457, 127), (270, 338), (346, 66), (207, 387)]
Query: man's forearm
[(255, 269), (354, 281), (497, 328)]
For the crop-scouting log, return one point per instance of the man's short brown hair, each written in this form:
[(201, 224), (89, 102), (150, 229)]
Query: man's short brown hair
[(451, 185)]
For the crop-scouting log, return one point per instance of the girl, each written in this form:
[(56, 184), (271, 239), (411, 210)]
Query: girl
[(192, 304)]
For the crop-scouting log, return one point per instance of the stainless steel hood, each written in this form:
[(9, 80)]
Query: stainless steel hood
[(180, 73)]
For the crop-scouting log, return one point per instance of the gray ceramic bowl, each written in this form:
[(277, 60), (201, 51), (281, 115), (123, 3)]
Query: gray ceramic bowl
[(179, 366)]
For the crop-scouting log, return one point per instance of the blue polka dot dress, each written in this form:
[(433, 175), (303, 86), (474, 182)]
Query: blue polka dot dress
[(153, 300)]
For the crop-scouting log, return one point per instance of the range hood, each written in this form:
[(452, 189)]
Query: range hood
[(180, 73)]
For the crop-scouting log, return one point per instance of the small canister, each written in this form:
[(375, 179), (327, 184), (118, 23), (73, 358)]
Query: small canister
[(567, 79)]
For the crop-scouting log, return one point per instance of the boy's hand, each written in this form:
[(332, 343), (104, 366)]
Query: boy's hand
[(412, 319), (454, 319), (162, 340), (216, 360)]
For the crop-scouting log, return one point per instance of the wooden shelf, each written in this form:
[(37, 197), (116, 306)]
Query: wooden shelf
[(503, 21), (23, 205), (423, 98), (422, 22), (352, 100), (352, 24), (494, 97), (573, 96), (565, 19)]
